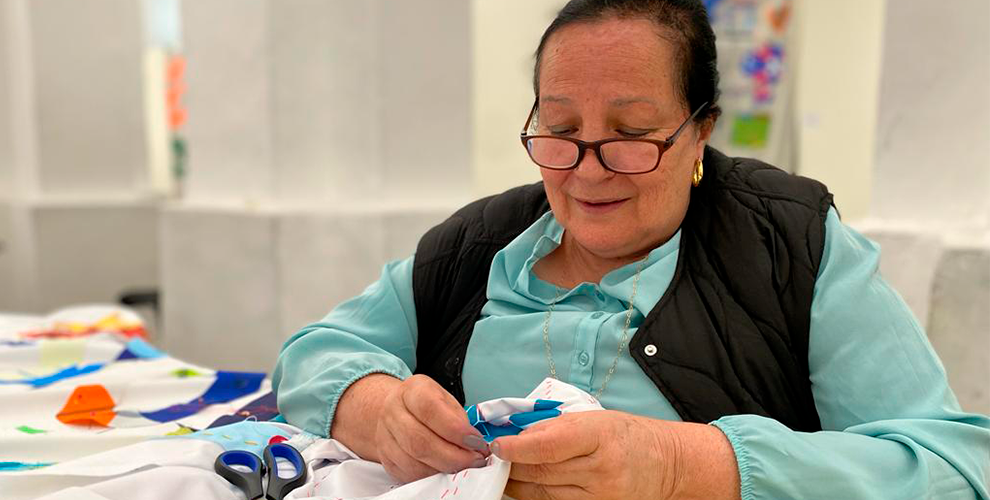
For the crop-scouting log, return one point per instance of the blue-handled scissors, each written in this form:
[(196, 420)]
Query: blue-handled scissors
[(250, 482)]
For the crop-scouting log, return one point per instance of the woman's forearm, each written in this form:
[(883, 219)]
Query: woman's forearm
[(356, 418)]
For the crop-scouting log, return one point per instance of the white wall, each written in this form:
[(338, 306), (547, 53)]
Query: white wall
[(87, 76), (309, 103), (6, 105), (838, 66), (505, 34), (76, 221), (325, 138), (229, 100), (930, 196), (933, 141)]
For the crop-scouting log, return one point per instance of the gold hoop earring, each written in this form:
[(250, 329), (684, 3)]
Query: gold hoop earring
[(699, 172)]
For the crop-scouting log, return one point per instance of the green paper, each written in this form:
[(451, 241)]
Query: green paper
[(750, 131)]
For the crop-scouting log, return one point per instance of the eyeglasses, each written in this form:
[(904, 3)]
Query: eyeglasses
[(621, 155)]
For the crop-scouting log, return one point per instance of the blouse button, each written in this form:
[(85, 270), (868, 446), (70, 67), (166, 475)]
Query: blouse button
[(596, 315), (584, 358), (650, 350)]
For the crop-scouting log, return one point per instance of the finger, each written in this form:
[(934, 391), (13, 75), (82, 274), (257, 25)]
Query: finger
[(553, 442), (438, 410), (535, 491), (576, 471), (417, 440), (406, 468)]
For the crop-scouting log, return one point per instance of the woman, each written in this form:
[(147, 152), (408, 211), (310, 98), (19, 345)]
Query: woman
[(680, 286)]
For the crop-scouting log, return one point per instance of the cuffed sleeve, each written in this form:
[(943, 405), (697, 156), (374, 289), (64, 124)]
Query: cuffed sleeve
[(893, 429), (374, 332)]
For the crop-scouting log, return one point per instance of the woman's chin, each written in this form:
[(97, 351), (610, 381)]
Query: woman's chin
[(604, 242)]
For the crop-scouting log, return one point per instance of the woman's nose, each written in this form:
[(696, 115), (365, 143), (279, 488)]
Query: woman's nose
[(590, 167)]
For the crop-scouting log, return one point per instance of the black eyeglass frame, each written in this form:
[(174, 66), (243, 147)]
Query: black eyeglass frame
[(596, 146)]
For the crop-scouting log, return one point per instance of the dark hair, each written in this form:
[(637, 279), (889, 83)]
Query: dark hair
[(687, 19)]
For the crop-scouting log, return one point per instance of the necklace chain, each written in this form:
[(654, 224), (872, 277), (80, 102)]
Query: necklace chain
[(622, 343)]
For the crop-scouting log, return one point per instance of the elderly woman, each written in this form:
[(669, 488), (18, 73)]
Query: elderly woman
[(680, 286)]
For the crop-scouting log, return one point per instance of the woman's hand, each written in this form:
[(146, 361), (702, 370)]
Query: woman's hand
[(609, 454), (422, 430)]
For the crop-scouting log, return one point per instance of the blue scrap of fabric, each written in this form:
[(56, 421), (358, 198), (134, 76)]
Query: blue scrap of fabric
[(524, 419), (139, 349), (12, 466), (72, 371), (542, 410), (247, 436), (16, 343), (227, 387), (262, 409)]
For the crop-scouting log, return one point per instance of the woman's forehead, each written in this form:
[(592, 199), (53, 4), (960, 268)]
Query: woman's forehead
[(621, 60)]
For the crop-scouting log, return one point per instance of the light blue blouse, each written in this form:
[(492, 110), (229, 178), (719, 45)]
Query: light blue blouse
[(893, 428)]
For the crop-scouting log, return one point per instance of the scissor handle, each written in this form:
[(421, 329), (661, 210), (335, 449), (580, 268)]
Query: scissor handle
[(279, 486), (248, 482)]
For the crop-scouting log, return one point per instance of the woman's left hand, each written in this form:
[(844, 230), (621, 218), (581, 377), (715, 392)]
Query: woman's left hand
[(610, 454)]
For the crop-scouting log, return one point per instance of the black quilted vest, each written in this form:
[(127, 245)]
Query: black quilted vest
[(731, 330)]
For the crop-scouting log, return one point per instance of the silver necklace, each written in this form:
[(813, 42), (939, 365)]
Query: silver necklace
[(622, 343)]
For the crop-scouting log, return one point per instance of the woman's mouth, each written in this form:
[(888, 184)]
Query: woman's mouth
[(600, 206)]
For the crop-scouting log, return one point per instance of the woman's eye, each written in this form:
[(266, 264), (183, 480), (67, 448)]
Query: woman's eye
[(562, 131), (633, 133)]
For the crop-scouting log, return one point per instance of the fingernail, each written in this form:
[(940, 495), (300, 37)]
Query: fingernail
[(496, 449), (475, 443), (478, 463)]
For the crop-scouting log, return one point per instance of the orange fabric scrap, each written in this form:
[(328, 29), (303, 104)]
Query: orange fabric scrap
[(88, 405)]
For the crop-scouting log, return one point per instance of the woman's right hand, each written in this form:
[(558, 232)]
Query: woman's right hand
[(423, 430)]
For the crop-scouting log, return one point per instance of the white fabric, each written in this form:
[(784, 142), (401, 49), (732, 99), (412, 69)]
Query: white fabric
[(161, 469), (134, 458)]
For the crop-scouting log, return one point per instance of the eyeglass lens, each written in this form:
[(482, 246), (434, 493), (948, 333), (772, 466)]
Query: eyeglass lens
[(622, 156)]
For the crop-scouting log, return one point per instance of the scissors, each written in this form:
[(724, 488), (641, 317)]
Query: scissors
[(250, 482)]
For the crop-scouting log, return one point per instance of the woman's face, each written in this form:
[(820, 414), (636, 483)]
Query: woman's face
[(616, 78)]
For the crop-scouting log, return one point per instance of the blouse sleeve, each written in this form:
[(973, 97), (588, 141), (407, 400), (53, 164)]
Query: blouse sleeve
[(893, 429), (374, 332)]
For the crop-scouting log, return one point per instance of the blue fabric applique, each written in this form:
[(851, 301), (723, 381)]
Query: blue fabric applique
[(227, 387), (247, 436), (542, 410)]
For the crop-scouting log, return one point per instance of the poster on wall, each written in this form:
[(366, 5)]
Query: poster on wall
[(755, 65)]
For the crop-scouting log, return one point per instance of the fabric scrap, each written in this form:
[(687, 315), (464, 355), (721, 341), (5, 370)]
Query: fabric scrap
[(30, 430), (183, 430), (186, 372), (510, 416), (262, 409), (61, 353), (12, 466), (70, 372), (88, 405), (16, 343), (247, 436), (227, 387), (137, 348)]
